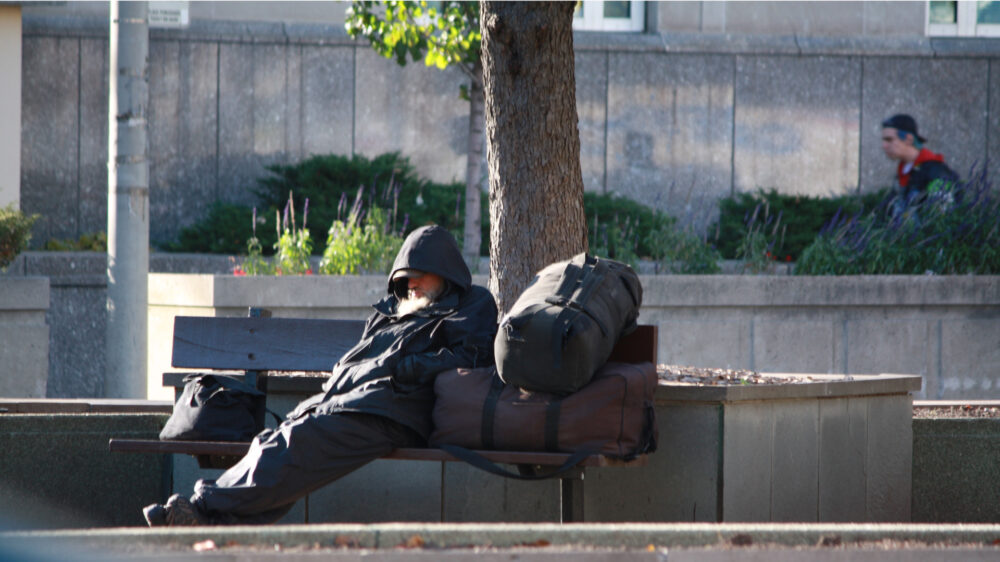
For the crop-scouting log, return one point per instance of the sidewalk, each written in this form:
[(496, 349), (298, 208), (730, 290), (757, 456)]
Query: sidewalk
[(543, 541)]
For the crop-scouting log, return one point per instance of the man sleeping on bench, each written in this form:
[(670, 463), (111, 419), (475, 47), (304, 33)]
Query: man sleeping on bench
[(379, 397)]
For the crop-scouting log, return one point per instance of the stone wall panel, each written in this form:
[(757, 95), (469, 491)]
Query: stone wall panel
[(93, 210), (50, 135), (669, 131), (808, 143)]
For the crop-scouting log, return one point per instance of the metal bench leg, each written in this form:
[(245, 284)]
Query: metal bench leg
[(571, 496)]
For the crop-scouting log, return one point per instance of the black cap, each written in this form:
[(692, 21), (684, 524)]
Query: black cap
[(905, 123)]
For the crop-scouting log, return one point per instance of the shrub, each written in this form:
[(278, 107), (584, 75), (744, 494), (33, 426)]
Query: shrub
[(957, 232), (294, 245), (677, 251), (92, 242), (625, 230), (802, 218), (619, 228), (15, 233), (390, 182), (363, 243), (224, 231)]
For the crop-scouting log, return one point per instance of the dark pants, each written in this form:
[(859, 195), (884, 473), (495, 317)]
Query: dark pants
[(296, 458)]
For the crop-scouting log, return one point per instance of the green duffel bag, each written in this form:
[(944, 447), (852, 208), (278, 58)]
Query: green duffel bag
[(562, 328)]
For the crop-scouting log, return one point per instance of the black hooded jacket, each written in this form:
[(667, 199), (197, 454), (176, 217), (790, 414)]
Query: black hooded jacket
[(391, 371)]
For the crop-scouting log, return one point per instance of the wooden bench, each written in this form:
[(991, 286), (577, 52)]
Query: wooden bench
[(265, 350)]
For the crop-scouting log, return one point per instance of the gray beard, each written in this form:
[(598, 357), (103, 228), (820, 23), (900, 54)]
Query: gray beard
[(409, 305)]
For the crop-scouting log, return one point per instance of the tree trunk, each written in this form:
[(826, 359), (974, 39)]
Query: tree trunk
[(472, 237), (533, 145)]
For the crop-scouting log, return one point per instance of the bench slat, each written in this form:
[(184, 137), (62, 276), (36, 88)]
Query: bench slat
[(228, 448), (262, 344)]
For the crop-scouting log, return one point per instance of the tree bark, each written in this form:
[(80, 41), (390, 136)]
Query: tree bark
[(533, 144), (472, 238)]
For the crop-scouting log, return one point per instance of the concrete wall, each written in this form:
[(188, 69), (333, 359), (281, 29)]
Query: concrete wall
[(788, 18), (674, 119), (56, 471), (713, 16), (956, 469), (24, 336), (944, 328), (10, 106), (73, 314)]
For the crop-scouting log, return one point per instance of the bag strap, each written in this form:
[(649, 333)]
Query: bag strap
[(591, 275), (552, 425), (570, 275), (489, 410), (482, 463), (594, 278)]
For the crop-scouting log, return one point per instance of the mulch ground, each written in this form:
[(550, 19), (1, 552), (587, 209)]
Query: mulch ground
[(705, 376), (963, 411)]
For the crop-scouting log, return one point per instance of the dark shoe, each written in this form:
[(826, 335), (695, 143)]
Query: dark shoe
[(155, 514), (178, 511)]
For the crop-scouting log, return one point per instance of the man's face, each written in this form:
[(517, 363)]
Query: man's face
[(894, 147), (427, 286)]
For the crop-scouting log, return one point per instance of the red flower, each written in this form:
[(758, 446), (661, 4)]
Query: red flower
[(788, 258), (309, 272), (238, 271)]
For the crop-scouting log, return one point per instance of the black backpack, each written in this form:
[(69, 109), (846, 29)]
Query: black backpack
[(216, 408), (562, 328)]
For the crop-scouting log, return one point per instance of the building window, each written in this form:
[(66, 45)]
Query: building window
[(963, 18), (594, 15)]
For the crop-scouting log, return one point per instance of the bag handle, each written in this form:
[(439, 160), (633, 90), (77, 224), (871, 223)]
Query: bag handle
[(475, 459), (277, 418)]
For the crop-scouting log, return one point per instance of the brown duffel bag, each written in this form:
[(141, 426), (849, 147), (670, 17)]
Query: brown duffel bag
[(611, 415)]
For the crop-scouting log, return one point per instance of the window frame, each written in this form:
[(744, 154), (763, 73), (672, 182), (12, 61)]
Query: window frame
[(593, 18), (966, 26)]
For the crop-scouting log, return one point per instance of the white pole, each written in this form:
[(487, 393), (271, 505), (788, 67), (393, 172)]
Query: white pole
[(128, 201)]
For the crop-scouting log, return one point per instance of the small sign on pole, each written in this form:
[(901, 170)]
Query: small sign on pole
[(169, 13)]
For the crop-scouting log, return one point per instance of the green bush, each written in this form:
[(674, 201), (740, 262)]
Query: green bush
[(331, 181), (361, 244), (677, 251), (625, 230), (92, 242), (802, 217), (957, 232), (226, 229), (619, 228), (15, 233)]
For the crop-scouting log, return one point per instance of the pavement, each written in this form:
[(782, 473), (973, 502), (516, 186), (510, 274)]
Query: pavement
[(543, 542)]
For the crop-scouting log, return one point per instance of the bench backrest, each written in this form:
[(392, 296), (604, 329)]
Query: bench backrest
[(262, 344), (300, 344)]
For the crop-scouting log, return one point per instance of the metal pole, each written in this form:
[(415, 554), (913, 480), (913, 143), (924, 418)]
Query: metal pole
[(128, 201)]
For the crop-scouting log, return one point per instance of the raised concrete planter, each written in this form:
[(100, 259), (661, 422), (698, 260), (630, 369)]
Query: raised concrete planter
[(56, 471), (956, 470), (829, 449), (24, 336)]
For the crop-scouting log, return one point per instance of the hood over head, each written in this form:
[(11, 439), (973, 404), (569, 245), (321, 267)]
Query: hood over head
[(432, 249)]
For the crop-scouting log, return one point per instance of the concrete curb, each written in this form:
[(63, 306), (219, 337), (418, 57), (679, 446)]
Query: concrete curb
[(446, 535)]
